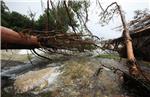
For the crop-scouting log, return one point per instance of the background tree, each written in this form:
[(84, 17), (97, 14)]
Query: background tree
[(58, 18), (4, 14), (61, 17), (13, 20), (19, 22)]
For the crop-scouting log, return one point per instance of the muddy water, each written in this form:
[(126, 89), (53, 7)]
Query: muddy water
[(73, 78)]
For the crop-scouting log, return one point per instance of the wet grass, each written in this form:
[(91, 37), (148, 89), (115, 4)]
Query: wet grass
[(109, 56), (78, 80), (75, 79)]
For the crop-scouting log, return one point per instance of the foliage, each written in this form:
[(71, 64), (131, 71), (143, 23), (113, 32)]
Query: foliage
[(13, 20), (80, 8), (4, 8), (58, 17), (4, 14), (62, 16), (18, 21)]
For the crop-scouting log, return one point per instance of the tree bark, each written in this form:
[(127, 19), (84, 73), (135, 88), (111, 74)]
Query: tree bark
[(13, 40), (133, 66)]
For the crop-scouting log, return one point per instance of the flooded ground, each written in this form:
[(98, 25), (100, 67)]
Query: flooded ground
[(70, 77)]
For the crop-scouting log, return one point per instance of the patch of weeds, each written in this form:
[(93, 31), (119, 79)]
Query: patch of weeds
[(75, 79), (108, 56), (48, 94)]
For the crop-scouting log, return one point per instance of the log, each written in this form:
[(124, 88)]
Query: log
[(13, 40)]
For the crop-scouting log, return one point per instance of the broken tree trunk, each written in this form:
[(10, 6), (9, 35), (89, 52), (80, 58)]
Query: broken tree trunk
[(133, 66), (68, 41), (13, 40)]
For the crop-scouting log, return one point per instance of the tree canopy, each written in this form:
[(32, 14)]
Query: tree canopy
[(58, 17), (13, 20)]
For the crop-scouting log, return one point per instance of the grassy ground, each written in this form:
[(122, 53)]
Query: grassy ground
[(77, 80), (108, 56), (12, 58), (13, 55)]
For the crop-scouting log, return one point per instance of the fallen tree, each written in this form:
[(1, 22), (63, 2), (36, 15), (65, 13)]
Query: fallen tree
[(52, 42), (13, 40), (139, 32), (70, 41), (134, 68)]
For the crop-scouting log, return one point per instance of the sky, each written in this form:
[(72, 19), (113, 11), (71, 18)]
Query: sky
[(107, 32)]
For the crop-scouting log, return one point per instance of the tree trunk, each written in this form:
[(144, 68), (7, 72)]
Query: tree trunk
[(133, 66), (13, 40)]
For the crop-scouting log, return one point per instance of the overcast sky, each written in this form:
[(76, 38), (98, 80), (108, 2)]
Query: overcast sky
[(129, 6)]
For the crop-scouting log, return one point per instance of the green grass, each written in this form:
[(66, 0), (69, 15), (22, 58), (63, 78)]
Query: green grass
[(108, 56)]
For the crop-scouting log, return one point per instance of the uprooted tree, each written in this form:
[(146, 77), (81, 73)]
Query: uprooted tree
[(134, 68)]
